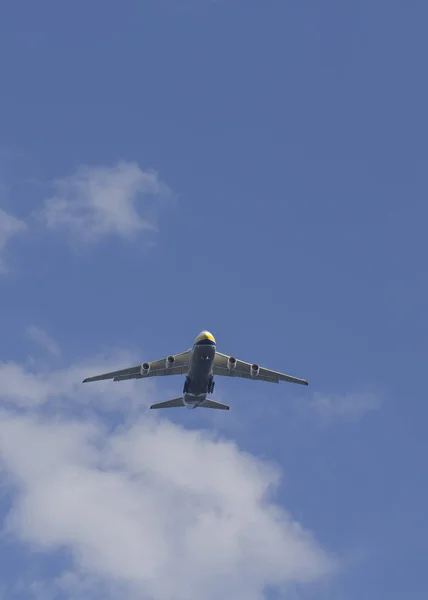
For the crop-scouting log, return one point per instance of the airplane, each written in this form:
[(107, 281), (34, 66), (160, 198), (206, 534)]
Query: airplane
[(200, 363)]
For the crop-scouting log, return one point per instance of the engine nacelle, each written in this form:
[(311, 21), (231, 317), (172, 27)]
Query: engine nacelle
[(145, 368), (169, 362), (231, 363), (254, 370)]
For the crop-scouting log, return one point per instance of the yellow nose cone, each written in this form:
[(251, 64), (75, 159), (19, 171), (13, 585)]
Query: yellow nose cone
[(205, 335)]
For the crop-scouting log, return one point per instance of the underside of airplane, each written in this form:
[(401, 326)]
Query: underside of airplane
[(200, 364)]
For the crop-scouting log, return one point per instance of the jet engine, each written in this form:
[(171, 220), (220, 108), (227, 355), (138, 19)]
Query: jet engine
[(169, 362), (145, 368), (255, 370), (231, 363)]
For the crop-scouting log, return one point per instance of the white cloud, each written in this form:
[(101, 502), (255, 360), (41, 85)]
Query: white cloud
[(73, 586), (38, 335), (150, 510), (98, 201), (22, 387), (342, 407), (9, 227), (26, 387)]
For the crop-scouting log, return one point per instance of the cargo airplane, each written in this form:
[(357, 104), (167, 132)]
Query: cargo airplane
[(200, 363)]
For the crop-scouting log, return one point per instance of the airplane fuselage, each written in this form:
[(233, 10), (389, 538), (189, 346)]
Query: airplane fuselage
[(199, 381)]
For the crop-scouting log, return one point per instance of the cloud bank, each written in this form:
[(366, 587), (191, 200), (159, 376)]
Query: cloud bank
[(148, 509)]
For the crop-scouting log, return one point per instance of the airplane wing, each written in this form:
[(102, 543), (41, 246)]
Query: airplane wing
[(232, 367), (175, 364)]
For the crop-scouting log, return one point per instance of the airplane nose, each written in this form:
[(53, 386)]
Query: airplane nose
[(205, 335)]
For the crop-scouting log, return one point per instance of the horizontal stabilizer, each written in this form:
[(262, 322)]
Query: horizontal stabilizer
[(169, 403), (213, 404)]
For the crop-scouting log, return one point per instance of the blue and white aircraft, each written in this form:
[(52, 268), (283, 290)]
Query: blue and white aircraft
[(200, 363)]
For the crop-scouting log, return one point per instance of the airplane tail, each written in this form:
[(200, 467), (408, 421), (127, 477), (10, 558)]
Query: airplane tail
[(213, 404), (176, 402)]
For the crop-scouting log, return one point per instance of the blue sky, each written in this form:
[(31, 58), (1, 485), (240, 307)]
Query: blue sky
[(257, 169)]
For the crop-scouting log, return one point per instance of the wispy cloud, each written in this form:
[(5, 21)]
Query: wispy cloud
[(39, 335), (26, 386), (350, 407), (99, 201), (9, 227), (149, 510)]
